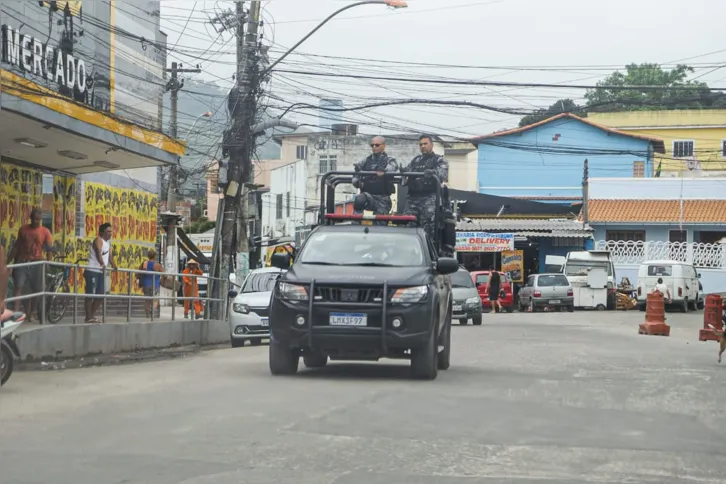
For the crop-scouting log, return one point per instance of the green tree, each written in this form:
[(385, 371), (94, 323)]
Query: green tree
[(685, 94), (561, 106)]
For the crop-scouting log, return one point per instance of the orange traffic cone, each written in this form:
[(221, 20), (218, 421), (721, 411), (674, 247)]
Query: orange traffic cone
[(655, 317)]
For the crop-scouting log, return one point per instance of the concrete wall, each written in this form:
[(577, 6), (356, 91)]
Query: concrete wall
[(543, 160), (71, 341)]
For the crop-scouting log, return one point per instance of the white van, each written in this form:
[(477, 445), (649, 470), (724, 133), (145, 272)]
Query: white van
[(680, 277)]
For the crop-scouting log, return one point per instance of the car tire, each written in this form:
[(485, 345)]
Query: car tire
[(700, 305), (570, 309), (425, 361), (509, 309), (256, 341), (463, 322), (476, 320), (684, 306), (315, 360), (282, 360), (237, 343), (7, 363), (694, 306), (532, 308), (443, 361), (641, 307)]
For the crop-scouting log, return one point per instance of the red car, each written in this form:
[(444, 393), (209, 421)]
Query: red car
[(481, 279)]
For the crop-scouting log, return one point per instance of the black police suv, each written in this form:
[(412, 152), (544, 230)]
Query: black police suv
[(363, 292)]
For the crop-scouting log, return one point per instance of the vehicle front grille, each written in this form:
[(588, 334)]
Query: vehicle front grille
[(353, 295), (263, 312)]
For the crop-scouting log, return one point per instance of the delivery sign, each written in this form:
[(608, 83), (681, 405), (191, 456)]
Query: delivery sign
[(483, 242)]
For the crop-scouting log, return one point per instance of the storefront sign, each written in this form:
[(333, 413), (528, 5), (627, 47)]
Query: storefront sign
[(513, 263), (483, 242), (32, 56)]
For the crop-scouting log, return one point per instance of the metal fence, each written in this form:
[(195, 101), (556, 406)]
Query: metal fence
[(69, 292)]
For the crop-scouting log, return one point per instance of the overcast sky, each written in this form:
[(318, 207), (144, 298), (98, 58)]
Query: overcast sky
[(573, 40)]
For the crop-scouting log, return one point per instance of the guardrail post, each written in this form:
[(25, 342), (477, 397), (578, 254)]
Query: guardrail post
[(173, 296), (76, 271), (225, 302), (193, 302), (128, 308), (106, 290), (42, 298)]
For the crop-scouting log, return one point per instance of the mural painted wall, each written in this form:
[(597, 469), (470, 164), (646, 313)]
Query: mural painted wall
[(132, 214)]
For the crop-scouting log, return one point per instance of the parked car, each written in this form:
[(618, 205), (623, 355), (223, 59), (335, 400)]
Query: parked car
[(467, 303), (481, 279), (250, 313), (680, 277), (546, 290)]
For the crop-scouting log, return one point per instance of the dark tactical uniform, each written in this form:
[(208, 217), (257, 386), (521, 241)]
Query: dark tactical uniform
[(379, 189), (422, 191)]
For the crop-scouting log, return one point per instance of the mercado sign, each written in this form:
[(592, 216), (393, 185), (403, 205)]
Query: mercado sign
[(483, 242), (32, 56)]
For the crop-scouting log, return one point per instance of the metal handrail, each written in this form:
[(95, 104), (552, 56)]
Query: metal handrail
[(130, 296)]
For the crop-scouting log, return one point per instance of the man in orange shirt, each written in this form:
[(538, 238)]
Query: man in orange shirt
[(33, 240), (191, 289)]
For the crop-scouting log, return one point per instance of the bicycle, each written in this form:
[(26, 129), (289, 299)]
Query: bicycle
[(57, 283)]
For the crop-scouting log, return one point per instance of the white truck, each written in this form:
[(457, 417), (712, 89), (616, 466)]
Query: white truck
[(592, 275)]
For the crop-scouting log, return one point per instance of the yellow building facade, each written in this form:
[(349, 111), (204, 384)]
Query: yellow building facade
[(695, 140)]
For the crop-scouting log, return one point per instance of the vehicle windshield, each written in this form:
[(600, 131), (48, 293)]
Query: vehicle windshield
[(552, 280), (579, 268), (394, 249), (660, 270), (461, 279), (260, 282)]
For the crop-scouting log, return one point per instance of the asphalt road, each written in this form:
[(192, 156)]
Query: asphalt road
[(553, 397)]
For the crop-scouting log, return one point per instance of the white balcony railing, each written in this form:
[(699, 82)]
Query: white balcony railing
[(634, 253)]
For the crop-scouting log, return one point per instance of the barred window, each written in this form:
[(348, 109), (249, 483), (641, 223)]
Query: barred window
[(683, 149)]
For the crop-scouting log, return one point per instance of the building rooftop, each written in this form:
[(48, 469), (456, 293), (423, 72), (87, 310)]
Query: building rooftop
[(657, 143), (657, 211)]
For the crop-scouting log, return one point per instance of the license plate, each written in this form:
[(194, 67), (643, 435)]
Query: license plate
[(457, 308), (555, 301), (348, 319), (265, 322)]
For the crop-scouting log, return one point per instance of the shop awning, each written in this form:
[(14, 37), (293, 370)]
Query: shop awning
[(527, 227), (47, 131)]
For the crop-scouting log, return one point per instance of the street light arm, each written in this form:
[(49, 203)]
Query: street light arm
[(357, 4)]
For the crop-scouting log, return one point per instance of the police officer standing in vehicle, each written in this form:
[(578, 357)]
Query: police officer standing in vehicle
[(378, 188), (422, 190)]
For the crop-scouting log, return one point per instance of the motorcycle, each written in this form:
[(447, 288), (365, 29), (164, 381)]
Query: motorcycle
[(9, 323)]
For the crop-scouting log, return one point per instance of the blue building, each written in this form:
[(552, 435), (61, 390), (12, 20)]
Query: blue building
[(545, 161)]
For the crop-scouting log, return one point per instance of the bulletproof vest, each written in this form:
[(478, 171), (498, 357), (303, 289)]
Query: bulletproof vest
[(376, 185), (421, 186)]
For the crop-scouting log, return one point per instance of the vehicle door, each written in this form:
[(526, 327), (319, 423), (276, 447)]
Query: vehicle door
[(525, 294), (693, 284), (442, 283), (481, 282)]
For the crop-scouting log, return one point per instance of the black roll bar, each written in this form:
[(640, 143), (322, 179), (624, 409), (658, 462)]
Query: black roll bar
[(332, 179)]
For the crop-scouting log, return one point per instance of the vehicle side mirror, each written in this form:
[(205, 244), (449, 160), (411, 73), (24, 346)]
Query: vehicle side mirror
[(699, 275), (281, 261), (447, 265), (232, 294)]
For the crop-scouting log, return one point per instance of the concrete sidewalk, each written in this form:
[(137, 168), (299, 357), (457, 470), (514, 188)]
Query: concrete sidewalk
[(66, 340)]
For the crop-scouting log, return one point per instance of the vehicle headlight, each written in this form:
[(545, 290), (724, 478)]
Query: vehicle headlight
[(293, 292), (240, 308), (473, 300), (410, 294)]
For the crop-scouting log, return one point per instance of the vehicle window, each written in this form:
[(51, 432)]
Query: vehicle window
[(504, 277), (260, 282), (461, 279), (395, 249), (482, 279), (530, 281), (432, 250), (579, 268), (660, 270), (552, 280)]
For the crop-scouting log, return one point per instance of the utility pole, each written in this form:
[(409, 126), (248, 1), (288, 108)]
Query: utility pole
[(585, 195), (170, 217), (239, 141)]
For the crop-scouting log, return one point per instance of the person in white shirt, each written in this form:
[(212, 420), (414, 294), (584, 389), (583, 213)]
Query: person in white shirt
[(99, 259), (663, 289)]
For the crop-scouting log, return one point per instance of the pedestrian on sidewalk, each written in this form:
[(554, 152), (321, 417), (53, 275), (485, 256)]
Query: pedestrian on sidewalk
[(191, 288), (99, 259), (150, 283), (33, 239), (495, 284)]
